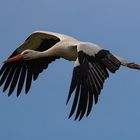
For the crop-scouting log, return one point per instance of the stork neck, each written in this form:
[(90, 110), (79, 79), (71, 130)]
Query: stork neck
[(51, 52)]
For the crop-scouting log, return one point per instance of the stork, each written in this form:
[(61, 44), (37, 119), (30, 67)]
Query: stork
[(91, 68)]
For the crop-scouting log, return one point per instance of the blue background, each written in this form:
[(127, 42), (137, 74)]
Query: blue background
[(42, 114)]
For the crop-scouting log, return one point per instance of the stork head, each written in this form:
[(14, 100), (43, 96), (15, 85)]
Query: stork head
[(25, 55)]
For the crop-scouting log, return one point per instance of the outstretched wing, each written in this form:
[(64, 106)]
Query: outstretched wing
[(90, 71), (19, 72)]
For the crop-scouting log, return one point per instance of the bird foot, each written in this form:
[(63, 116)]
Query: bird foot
[(133, 66)]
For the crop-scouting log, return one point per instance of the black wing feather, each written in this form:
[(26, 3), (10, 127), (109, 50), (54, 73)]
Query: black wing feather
[(16, 73), (93, 87), (88, 79), (4, 74), (84, 100), (74, 82), (14, 81), (3, 69), (9, 78), (75, 99), (21, 80), (28, 80)]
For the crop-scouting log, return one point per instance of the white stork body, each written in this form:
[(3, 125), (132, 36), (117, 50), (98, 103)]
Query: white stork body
[(91, 68)]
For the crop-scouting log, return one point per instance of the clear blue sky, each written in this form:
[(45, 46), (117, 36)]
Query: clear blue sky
[(42, 114)]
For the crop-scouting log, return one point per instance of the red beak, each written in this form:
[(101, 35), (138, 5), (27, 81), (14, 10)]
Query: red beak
[(15, 58)]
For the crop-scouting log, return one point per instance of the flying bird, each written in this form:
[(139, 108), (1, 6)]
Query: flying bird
[(92, 66)]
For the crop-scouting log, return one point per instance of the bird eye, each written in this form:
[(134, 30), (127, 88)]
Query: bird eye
[(25, 53)]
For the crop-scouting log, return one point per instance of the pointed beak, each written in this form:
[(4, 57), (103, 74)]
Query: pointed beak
[(15, 58)]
